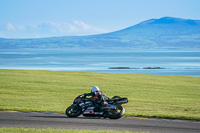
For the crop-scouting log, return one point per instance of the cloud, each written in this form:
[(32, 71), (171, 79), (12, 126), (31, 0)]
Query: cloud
[(74, 27), (21, 27), (81, 24), (9, 26), (49, 29)]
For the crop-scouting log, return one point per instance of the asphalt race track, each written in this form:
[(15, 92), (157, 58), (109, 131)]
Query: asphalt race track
[(53, 120)]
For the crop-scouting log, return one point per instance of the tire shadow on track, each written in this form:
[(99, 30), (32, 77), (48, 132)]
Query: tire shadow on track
[(65, 117)]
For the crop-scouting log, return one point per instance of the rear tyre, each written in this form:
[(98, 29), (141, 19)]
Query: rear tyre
[(73, 111), (117, 113)]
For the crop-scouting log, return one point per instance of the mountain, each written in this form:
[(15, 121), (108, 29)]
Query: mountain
[(163, 33)]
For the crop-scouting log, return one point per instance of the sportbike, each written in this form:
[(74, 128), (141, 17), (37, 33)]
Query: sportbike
[(87, 107)]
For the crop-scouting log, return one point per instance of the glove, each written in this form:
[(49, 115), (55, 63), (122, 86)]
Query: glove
[(104, 103)]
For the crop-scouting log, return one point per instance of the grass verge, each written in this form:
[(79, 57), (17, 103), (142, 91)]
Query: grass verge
[(176, 97), (50, 130)]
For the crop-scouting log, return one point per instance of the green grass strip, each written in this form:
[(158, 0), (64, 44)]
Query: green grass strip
[(50, 130), (176, 97)]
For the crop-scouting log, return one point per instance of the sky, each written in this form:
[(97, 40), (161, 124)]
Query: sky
[(50, 18)]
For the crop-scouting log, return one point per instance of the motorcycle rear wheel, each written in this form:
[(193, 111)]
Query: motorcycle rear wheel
[(73, 111), (117, 113)]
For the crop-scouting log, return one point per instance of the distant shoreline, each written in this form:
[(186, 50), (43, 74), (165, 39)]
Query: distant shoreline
[(136, 68)]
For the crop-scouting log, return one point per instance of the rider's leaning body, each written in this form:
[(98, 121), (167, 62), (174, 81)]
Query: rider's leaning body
[(97, 96)]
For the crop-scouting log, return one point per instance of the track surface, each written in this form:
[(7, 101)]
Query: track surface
[(53, 120)]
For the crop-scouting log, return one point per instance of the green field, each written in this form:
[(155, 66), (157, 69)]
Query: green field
[(149, 95)]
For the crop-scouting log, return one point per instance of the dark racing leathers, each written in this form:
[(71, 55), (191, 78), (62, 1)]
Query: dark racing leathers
[(99, 98)]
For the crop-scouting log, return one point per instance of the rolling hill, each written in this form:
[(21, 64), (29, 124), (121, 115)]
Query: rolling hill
[(163, 33)]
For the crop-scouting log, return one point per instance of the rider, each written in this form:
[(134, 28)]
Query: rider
[(98, 97)]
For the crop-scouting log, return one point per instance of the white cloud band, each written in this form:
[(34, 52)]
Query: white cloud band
[(49, 29)]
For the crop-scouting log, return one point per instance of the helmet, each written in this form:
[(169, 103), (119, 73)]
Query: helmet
[(95, 88)]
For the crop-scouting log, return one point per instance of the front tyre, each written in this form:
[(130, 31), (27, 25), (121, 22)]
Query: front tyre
[(117, 113), (73, 111)]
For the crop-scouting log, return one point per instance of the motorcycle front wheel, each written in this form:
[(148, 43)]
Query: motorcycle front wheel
[(73, 111), (115, 113)]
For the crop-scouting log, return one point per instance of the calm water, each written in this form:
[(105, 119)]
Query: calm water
[(175, 63)]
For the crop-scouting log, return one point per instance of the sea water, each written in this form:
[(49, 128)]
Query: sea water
[(173, 63)]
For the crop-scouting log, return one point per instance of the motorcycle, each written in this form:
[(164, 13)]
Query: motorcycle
[(86, 106)]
